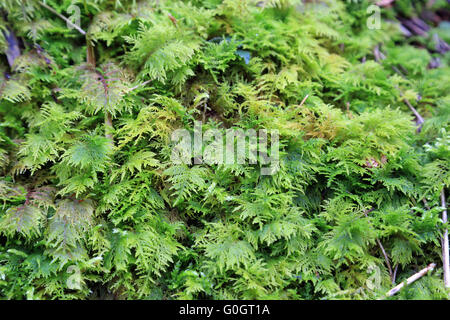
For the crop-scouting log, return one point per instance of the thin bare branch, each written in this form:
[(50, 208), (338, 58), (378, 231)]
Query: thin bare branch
[(62, 17), (411, 279), (395, 273), (419, 118), (303, 101), (386, 257), (139, 85), (445, 248), (384, 3), (380, 56)]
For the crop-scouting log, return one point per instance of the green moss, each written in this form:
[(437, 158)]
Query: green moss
[(91, 200)]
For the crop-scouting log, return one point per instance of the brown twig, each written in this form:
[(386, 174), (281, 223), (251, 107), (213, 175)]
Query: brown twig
[(380, 56), (349, 114), (91, 61), (303, 101), (386, 257), (172, 18), (419, 119), (395, 274)]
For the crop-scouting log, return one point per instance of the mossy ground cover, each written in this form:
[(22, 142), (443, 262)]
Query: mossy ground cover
[(92, 205)]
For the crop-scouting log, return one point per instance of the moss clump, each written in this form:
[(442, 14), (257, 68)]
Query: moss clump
[(92, 203)]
